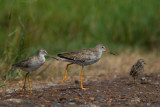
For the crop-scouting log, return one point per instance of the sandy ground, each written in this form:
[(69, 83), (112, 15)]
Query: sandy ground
[(108, 82)]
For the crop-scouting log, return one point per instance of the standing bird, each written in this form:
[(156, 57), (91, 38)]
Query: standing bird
[(137, 69), (31, 64), (83, 58)]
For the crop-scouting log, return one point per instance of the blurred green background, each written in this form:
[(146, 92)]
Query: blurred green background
[(67, 25)]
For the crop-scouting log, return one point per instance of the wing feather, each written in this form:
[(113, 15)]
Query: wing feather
[(24, 63), (82, 55)]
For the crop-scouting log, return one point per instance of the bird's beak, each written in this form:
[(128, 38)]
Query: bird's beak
[(110, 52), (145, 63), (52, 56), (49, 55)]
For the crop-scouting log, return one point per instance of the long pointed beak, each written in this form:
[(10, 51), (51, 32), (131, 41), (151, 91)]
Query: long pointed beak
[(52, 57), (110, 52)]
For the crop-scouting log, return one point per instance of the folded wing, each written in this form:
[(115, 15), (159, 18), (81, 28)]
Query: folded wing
[(82, 55)]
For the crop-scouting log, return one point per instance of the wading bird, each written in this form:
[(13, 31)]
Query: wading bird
[(31, 64), (83, 58)]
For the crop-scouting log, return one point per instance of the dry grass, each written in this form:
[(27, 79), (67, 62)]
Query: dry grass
[(119, 64), (109, 66)]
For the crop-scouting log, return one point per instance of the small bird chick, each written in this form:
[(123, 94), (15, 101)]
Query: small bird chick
[(137, 69)]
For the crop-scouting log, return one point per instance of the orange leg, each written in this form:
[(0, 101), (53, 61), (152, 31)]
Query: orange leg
[(24, 86), (66, 73), (29, 84), (81, 80)]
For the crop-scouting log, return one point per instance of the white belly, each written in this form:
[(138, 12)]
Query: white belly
[(90, 62)]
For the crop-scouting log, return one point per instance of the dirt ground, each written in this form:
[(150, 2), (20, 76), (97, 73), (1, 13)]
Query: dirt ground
[(108, 82), (118, 92)]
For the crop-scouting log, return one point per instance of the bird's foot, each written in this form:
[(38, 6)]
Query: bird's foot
[(63, 80), (23, 91), (84, 88), (24, 88), (30, 92)]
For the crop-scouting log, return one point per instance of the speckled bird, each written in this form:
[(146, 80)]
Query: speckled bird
[(137, 69), (83, 58), (31, 64)]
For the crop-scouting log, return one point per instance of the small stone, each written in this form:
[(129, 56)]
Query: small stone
[(14, 100), (76, 82), (57, 103), (91, 98), (92, 105), (148, 104), (9, 91), (143, 79), (28, 104), (71, 103), (98, 91), (62, 99), (156, 83), (136, 99), (72, 100), (143, 101)]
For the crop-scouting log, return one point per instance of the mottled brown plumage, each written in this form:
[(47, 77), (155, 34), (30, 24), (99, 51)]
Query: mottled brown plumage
[(83, 57), (137, 69)]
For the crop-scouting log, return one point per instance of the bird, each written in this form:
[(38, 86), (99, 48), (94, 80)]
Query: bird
[(137, 69), (32, 63), (83, 58)]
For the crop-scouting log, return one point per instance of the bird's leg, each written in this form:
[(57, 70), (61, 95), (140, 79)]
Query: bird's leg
[(29, 84), (81, 80), (24, 86), (66, 73)]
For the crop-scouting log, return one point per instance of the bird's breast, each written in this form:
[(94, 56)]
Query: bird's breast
[(42, 59), (91, 62), (36, 63)]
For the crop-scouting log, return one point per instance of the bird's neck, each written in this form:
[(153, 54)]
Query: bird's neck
[(99, 54), (139, 64), (42, 57)]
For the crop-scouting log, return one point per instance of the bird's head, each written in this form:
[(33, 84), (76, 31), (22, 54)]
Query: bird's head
[(42, 52), (141, 61), (102, 48)]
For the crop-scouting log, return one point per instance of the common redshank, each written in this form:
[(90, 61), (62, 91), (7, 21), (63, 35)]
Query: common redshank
[(83, 58), (137, 69), (31, 64)]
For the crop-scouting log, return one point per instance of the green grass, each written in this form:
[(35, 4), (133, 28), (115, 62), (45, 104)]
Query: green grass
[(67, 25)]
